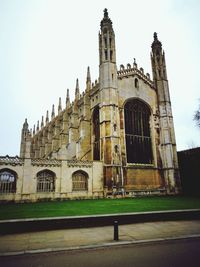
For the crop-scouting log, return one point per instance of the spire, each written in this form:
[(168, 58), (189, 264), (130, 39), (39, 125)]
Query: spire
[(59, 106), (47, 117), (53, 113), (42, 122), (67, 99), (77, 93)]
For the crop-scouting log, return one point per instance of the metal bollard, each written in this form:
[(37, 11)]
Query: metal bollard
[(116, 231)]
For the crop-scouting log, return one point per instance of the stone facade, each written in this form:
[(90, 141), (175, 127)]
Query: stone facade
[(118, 134)]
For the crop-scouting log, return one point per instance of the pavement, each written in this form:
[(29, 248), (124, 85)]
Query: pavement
[(95, 237)]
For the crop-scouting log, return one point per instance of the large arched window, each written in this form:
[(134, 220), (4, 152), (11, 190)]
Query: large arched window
[(7, 181), (96, 134), (137, 132), (46, 181), (79, 181)]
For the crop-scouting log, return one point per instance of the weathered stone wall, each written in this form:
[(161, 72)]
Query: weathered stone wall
[(26, 186)]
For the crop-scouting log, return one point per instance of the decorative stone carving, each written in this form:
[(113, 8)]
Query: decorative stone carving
[(79, 163), (46, 162)]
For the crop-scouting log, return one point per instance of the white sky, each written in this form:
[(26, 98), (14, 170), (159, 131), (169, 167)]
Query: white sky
[(46, 44)]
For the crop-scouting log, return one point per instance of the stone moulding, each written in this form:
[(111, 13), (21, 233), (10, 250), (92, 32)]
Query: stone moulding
[(13, 161), (79, 163), (46, 162)]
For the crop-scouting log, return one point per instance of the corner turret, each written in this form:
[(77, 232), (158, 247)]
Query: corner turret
[(107, 51), (167, 135)]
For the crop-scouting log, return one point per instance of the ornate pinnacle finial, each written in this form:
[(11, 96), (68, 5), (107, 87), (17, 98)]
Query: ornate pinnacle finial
[(59, 106), (42, 122), (155, 36), (47, 117), (53, 112), (105, 13), (106, 21), (134, 63), (156, 43)]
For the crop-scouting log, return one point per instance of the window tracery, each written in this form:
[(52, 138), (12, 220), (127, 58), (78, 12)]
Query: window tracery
[(7, 181), (79, 181), (46, 181), (137, 132)]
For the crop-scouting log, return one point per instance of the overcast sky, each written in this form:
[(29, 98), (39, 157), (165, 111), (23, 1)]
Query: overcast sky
[(46, 44)]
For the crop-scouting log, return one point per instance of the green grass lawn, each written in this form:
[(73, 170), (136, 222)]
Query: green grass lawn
[(93, 207)]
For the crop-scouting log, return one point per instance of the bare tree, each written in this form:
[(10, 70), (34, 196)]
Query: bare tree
[(197, 116)]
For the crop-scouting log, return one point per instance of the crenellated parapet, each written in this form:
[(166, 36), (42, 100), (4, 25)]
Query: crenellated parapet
[(13, 161), (132, 71)]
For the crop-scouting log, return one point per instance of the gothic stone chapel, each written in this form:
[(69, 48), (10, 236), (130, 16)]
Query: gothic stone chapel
[(115, 139)]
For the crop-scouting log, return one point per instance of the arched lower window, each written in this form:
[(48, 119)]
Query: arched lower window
[(137, 132), (96, 134), (46, 181), (79, 181), (7, 181)]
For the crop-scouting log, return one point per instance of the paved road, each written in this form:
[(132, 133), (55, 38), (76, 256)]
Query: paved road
[(182, 253)]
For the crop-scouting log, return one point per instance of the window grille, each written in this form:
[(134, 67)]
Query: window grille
[(137, 132), (79, 181), (45, 181), (7, 182)]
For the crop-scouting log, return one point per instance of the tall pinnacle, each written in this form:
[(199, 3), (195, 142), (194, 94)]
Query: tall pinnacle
[(47, 117), (88, 75), (38, 127), (59, 106), (53, 112), (42, 122), (25, 125), (77, 93), (88, 80), (67, 99)]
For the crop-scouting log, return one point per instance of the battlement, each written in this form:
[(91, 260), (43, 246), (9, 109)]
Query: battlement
[(13, 161), (132, 71)]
